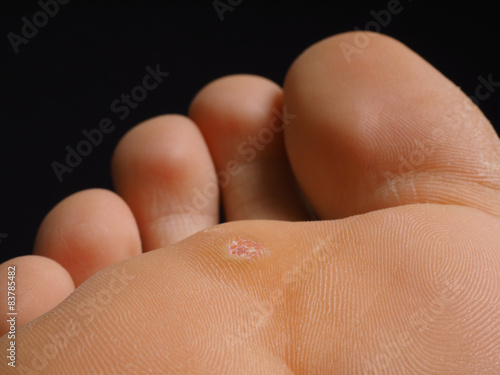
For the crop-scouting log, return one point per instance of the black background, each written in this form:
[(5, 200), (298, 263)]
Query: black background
[(65, 78)]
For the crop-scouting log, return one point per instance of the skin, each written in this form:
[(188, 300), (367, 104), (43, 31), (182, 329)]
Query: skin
[(401, 275)]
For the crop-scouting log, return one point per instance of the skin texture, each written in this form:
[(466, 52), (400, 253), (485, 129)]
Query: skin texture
[(401, 276)]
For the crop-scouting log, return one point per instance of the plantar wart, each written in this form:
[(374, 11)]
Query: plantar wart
[(246, 249)]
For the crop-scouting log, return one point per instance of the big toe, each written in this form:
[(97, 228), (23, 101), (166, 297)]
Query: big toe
[(377, 126)]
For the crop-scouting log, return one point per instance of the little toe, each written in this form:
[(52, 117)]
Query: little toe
[(33, 285)]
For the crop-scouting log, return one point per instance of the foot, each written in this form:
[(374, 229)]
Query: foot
[(402, 275)]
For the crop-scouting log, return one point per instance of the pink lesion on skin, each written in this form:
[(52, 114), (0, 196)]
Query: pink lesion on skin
[(246, 249)]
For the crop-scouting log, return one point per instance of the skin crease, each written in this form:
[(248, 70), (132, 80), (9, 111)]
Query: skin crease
[(407, 281)]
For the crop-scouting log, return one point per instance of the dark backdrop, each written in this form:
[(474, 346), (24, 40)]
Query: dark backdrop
[(63, 79)]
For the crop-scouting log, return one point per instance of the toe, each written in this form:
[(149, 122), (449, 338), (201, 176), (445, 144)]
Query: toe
[(88, 231), (163, 170), (377, 126), (37, 285), (241, 119)]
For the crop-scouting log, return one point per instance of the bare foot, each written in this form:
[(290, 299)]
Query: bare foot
[(402, 275)]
